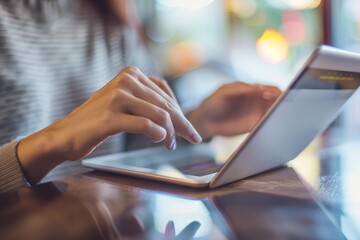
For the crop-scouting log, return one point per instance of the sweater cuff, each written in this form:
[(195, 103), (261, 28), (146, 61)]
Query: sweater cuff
[(11, 173)]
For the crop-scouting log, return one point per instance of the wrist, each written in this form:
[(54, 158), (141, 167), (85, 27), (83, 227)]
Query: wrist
[(38, 154)]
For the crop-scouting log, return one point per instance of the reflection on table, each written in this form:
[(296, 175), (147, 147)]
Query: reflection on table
[(99, 205), (278, 204), (329, 168)]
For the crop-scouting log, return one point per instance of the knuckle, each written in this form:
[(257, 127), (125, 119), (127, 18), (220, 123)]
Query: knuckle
[(164, 115), (125, 80), (167, 105), (145, 125), (131, 70)]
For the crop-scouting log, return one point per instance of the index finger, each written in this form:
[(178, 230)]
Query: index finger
[(182, 126), (157, 96)]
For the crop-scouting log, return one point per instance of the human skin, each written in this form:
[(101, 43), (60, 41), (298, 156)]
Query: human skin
[(131, 102), (135, 103), (233, 109)]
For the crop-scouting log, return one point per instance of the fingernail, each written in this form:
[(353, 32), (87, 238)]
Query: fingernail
[(196, 137), (268, 95), (156, 140), (173, 145)]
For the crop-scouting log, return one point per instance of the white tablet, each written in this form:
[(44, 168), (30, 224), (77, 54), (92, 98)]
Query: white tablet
[(307, 107)]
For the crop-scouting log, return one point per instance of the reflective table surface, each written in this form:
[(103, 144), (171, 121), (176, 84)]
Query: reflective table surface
[(331, 168), (96, 205), (315, 197)]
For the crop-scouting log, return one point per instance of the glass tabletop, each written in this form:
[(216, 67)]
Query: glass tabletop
[(331, 167)]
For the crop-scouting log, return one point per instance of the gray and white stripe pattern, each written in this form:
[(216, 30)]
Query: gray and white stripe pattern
[(53, 55)]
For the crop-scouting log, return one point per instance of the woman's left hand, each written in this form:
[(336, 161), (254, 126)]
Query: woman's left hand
[(233, 109)]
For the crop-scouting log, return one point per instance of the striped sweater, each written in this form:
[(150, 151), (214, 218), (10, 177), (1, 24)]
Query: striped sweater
[(53, 55)]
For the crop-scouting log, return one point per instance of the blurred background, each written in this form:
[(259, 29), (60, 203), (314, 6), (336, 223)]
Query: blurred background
[(206, 43), (263, 41)]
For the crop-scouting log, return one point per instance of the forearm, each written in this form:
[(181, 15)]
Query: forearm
[(131, 102)]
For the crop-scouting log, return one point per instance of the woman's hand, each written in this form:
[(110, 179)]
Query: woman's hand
[(233, 109), (131, 102)]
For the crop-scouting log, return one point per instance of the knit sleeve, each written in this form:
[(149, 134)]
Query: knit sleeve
[(11, 174)]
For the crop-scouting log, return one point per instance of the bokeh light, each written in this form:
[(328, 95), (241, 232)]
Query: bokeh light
[(187, 4), (303, 4), (159, 32), (243, 9), (295, 4), (294, 27), (183, 57), (272, 46)]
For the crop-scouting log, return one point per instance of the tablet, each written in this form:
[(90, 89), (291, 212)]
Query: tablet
[(307, 107)]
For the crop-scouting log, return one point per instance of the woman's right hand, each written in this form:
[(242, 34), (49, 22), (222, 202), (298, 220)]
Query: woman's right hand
[(131, 102)]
